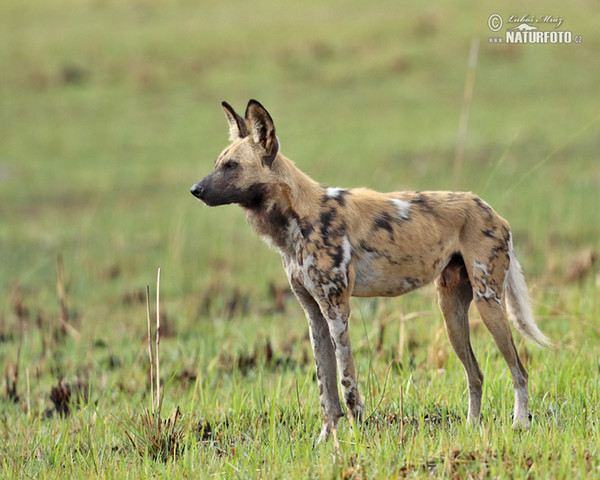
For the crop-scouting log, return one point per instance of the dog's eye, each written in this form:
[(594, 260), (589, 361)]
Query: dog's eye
[(230, 164)]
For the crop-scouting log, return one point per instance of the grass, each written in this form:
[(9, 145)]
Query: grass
[(110, 111)]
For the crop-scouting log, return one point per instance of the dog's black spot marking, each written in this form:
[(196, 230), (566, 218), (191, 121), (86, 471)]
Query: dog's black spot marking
[(506, 235), (345, 383), (494, 253), (330, 227), (326, 218), (338, 197), (421, 202), (383, 221), (340, 200), (367, 248), (350, 399), (341, 197), (306, 229), (336, 292), (484, 207), (337, 256), (487, 299), (336, 281)]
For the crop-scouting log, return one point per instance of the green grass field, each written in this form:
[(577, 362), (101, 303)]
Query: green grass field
[(110, 111)]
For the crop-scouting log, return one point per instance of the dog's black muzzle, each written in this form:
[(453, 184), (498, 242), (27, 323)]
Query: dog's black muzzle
[(214, 191)]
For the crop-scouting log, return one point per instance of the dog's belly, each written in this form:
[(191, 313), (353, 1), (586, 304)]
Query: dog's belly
[(376, 275)]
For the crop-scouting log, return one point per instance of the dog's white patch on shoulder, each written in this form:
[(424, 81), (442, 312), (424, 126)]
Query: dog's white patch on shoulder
[(402, 207), (334, 192)]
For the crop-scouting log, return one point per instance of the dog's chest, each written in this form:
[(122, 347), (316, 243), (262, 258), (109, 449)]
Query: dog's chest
[(323, 271)]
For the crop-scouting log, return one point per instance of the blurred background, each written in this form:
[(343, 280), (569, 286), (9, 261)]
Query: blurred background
[(110, 111)]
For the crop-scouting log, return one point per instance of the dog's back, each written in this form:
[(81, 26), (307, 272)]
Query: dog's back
[(402, 240)]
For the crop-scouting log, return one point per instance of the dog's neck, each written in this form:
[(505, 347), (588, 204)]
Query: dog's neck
[(284, 205)]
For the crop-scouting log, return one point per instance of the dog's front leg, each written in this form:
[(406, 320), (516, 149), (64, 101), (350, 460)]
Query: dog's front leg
[(325, 360), (337, 312)]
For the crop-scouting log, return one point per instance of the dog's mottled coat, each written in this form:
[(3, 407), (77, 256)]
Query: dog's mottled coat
[(336, 243)]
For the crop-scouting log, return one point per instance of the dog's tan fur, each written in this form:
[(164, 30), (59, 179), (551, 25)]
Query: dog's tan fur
[(337, 243)]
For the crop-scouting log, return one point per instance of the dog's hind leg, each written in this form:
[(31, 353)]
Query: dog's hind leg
[(325, 361), (487, 272), (495, 320), (455, 295)]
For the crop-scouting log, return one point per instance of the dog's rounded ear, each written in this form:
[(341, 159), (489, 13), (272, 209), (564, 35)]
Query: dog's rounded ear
[(262, 130), (237, 125)]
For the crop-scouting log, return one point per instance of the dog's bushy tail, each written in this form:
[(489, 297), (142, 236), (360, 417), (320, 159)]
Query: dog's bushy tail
[(517, 302)]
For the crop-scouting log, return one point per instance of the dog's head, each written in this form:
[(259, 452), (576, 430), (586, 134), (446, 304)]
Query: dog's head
[(244, 169)]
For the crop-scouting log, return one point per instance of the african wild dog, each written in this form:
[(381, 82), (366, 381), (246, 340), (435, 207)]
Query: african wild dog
[(336, 243)]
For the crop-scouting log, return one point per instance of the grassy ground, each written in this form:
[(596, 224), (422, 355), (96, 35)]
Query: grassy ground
[(110, 111)]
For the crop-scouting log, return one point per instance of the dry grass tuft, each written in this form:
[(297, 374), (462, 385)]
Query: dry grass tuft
[(159, 439), (151, 435)]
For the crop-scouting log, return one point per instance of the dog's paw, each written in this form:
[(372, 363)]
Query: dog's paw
[(522, 422), (324, 435)]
